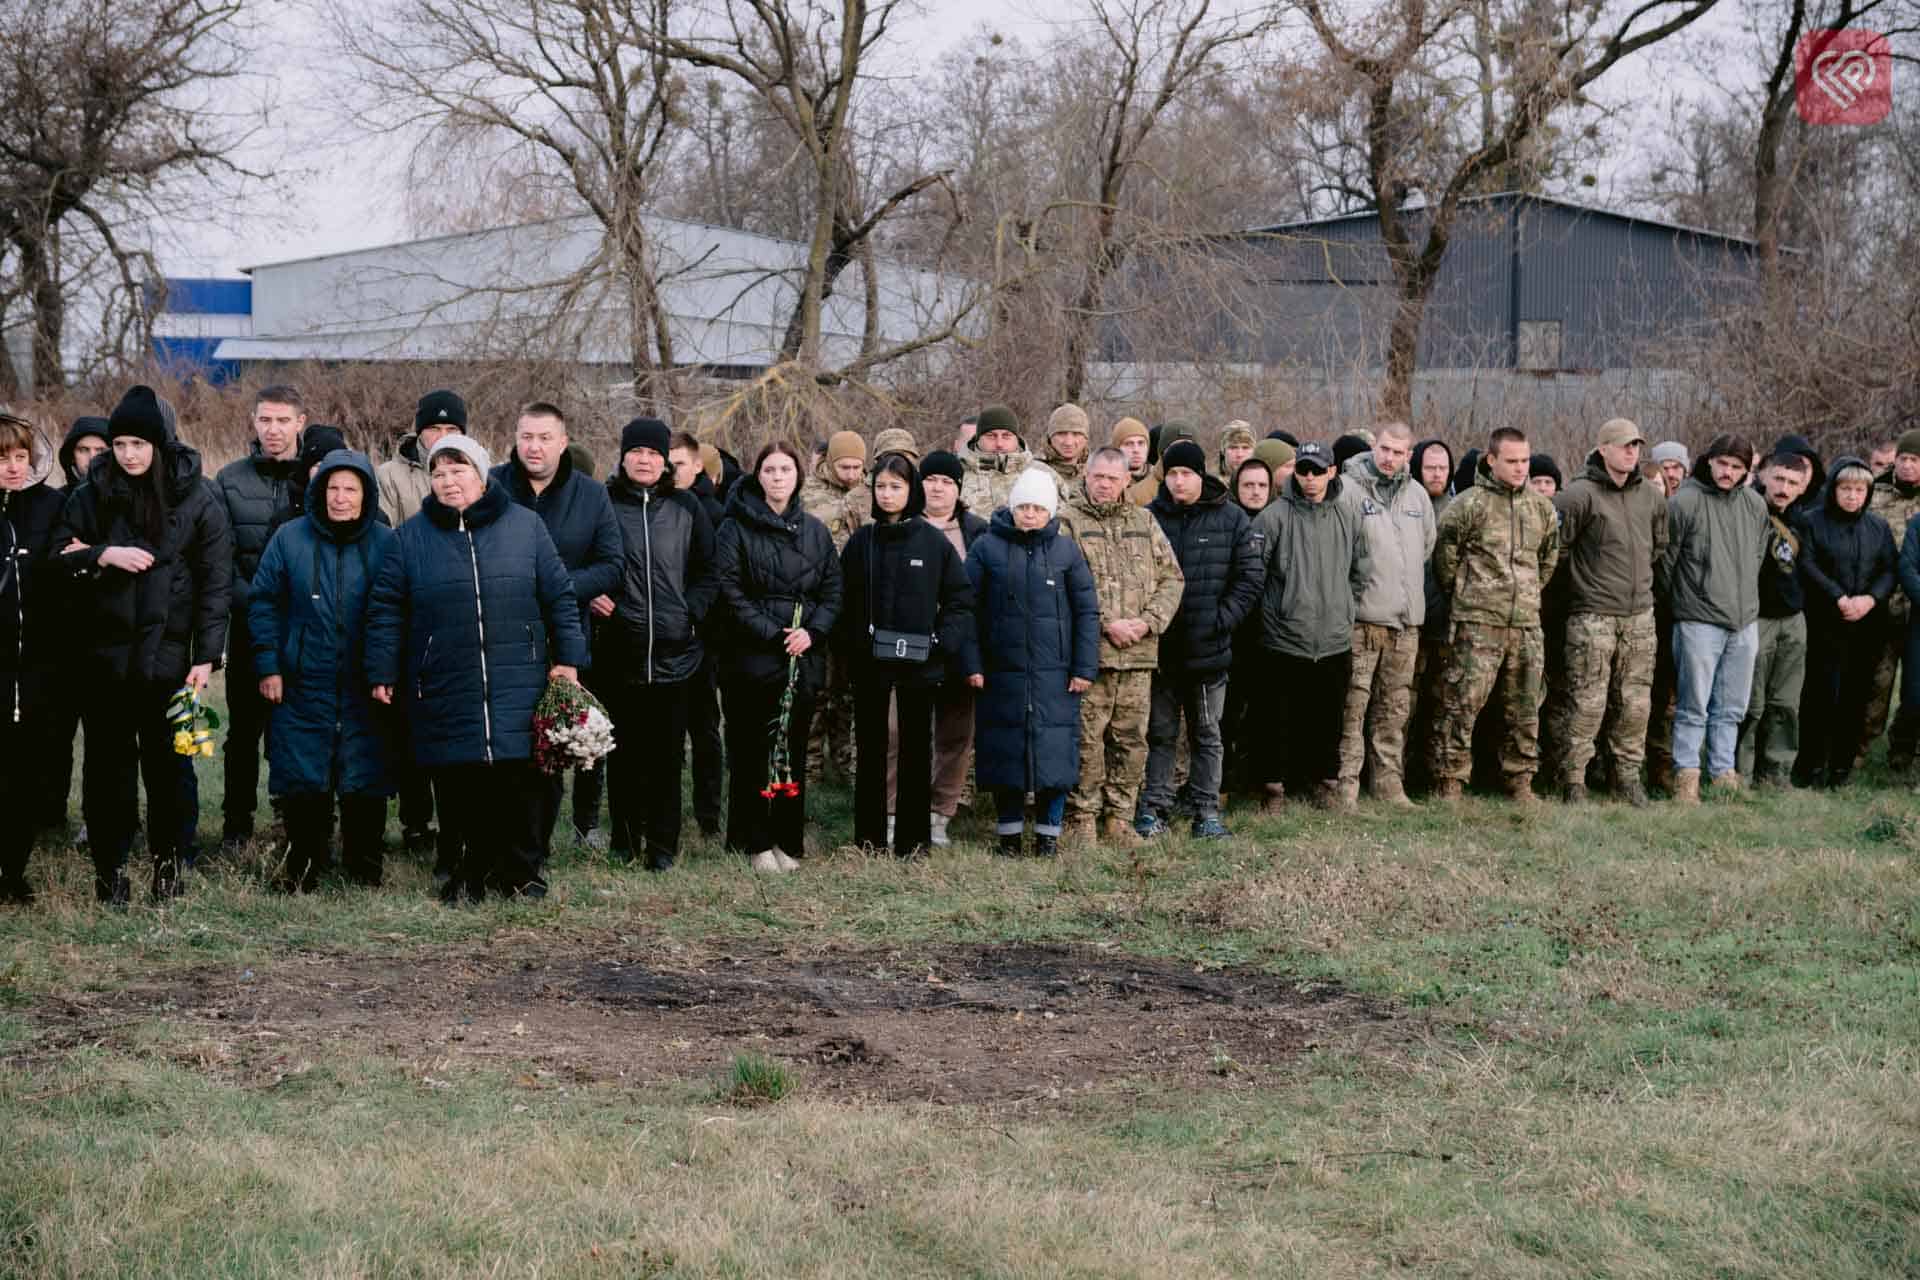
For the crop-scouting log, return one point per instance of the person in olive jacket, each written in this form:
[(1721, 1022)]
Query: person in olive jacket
[(31, 632), (649, 650), (902, 577), (780, 596), (471, 616), (1847, 564), (307, 620), (147, 542)]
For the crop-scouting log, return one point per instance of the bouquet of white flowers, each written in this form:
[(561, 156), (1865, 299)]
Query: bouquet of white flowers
[(571, 730)]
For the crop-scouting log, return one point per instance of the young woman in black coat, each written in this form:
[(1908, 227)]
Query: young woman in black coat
[(771, 559), (904, 582), (147, 541)]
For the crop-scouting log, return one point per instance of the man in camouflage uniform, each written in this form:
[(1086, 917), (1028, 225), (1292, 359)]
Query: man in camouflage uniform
[(1496, 547), (1140, 585), (1613, 534), (1236, 446), (1396, 516), (1133, 440), (897, 440), (994, 459), (836, 494), (1066, 450), (1896, 499)]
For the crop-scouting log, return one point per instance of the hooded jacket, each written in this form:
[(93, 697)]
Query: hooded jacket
[(1716, 540), (1845, 555), (468, 613), (154, 626), (904, 575), (1400, 530), (1224, 566), (1495, 551), (579, 519), (990, 476), (765, 565), (403, 481), (1317, 564), (80, 430), (34, 631), (666, 588), (1612, 539), (1135, 573), (1037, 617), (306, 618)]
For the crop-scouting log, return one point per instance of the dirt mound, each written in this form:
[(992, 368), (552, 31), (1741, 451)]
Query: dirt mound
[(943, 1024)]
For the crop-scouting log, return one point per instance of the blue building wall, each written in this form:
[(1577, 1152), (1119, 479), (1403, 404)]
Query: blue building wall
[(192, 316)]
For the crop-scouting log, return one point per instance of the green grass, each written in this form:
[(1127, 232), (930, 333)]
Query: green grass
[(1628, 1043)]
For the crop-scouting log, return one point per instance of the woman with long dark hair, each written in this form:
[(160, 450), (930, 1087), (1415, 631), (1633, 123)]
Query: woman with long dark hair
[(780, 591)]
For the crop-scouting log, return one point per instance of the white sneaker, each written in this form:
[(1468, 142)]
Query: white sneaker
[(785, 863), (766, 860), (939, 824)]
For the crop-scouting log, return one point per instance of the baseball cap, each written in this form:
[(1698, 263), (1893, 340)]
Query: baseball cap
[(1619, 431), (1313, 456)]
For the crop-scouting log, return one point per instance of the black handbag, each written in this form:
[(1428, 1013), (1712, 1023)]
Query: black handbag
[(902, 648)]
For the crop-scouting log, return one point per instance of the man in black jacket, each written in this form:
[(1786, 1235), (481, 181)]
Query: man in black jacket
[(258, 494), (703, 691), (541, 477), (1223, 563), (1770, 733)]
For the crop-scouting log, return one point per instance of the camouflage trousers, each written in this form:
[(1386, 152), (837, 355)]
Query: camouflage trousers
[(831, 738), (1113, 745), (1606, 693), (1770, 733), (1886, 678), (1373, 735), (1507, 665)]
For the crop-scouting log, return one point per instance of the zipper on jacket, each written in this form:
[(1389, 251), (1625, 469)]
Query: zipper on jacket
[(646, 538), (20, 608), (480, 621)]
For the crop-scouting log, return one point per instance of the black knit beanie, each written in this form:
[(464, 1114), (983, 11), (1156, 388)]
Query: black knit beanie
[(138, 414), (1185, 453), (645, 433), (440, 409), (942, 463)]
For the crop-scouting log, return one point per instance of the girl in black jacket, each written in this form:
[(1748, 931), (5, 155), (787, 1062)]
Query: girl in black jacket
[(1847, 567), (904, 581), (147, 541), (30, 648), (771, 561)]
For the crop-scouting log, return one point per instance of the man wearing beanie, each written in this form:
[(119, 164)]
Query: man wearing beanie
[(1674, 462), (1896, 499), (540, 475), (996, 457), (257, 491), (1716, 538), (1135, 443), (1278, 455), (1613, 531), (1066, 450), (897, 440), (1236, 446), (1139, 583), (836, 495)]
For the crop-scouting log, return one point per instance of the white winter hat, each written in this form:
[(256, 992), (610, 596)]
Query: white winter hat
[(464, 445), (1035, 488)]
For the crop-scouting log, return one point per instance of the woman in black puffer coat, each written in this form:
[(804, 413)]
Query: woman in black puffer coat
[(1847, 565), (901, 575), (152, 560), (471, 616), (31, 631), (771, 559)]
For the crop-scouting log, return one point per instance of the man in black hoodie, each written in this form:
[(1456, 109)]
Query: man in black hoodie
[(86, 440), (1770, 733), (1896, 499)]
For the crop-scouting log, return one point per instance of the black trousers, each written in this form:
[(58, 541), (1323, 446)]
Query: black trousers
[(643, 774), (128, 737), (363, 821), (754, 822), (490, 821), (709, 753), (1840, 660), (1303, 703), (873, 690), (19, 792), (58, 726), (246, 730)]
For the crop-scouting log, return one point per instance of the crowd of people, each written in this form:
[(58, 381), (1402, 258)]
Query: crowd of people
[(1102, 639)]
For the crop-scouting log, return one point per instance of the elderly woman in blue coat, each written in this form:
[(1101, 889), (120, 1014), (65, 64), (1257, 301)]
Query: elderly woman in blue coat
[(1039, 626), (471, 616), (307, 617)]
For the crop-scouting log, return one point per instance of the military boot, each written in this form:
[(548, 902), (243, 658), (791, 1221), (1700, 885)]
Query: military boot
[(1686, 786), (1119, 833)]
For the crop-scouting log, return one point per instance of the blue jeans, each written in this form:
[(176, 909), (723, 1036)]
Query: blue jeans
[(1714, 667), (1010, 803)]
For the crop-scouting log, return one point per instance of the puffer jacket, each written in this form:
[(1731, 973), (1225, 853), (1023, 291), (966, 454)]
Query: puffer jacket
[(990, 477), (403, 482), (765, 565), (579, 519), (468, 614), (34, 632), (1400, 530), (904, 575), (1038, 619), (1845, 555), (1495, 551), (1613, 539), (666, 588), (154, 626), (1317, 562), (1223, 565), (255, 489), (1716, 540), (306, 616), (1135, 573)]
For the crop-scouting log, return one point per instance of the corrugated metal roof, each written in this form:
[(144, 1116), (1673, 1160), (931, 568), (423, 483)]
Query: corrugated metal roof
[(1573, 205)]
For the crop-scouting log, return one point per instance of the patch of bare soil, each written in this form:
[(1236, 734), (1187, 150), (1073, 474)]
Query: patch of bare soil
[(944, 1024)]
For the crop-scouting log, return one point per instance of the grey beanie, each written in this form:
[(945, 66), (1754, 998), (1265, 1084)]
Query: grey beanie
[(464, 445), (1670, 451)]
